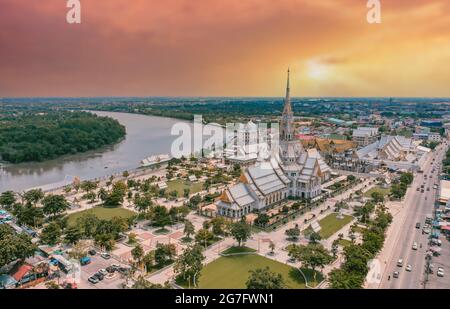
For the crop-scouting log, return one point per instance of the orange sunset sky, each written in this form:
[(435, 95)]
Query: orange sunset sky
[(224, 48)]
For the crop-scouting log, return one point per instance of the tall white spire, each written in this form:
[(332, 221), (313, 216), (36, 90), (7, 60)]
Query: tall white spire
[(287, 110)]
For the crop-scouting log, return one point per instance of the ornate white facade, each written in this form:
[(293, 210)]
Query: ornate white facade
[(292, 171)]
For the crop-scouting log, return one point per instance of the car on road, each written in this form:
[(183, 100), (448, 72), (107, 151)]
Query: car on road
[(400, 263), (418, 225), (93, 280), (440, 272), (396, 274), (414, 246), (105, 255), (409, 267)]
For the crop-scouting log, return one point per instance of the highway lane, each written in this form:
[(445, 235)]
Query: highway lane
[(417, 206)]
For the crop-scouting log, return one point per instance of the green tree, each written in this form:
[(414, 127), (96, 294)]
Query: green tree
[(189, 264), (138, 253), (203, 237), (54, 204), (73, 235), (88, 224), (149, 260), (29, 214), (293, 233), (264, 279), (262, 219), (186, 192), (164, 254), (7, 199), (142, 284), (116, 196), (314, 256), (88, 186), (342, 279), (377, 197), (189, 228), (51, 234), (314, 238), (33, 196), (14, 246), (334, 247), (218, 225), (142, 203), (240, 232), (161, 216)]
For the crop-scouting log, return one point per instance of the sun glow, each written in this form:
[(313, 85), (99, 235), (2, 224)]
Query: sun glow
[(317, 70)]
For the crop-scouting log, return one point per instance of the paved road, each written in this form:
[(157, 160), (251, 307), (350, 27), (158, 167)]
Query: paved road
[(416, 206)]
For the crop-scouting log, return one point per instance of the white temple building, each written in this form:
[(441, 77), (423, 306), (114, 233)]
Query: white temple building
[(396, 152), (290, 171)]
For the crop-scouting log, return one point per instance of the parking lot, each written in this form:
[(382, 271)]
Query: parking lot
[(111, 281), (443, 261)]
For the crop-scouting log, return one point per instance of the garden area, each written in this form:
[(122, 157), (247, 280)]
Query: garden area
[(102, 213), (380, 190), (330, 225), (180, 185), (232, 272)]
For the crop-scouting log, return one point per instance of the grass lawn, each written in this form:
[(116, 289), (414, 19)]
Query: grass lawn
[(233, 250), (384, 191), (232, 272), (101, 213), (345, 242), (179, 185), (331, 224)]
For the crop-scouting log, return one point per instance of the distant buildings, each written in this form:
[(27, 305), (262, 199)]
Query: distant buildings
[(364, 136), (340, 122), (431, 123)]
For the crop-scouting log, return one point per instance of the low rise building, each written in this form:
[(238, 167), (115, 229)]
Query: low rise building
[(364, 136)]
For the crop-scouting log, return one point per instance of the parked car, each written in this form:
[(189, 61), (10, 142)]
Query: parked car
[(440, 272), (437, 242), (418, 225), (92, 252), (99, 276), (414, 246), (93, 280), (396, 274), (85, 260), (105, 255), (103, 271), (110, 269), (400, 263)]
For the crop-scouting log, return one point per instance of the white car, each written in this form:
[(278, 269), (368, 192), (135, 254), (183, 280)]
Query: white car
[(414, 246), (408, 267), (400, 263), (105, 255), (103, 271), (440, 272)]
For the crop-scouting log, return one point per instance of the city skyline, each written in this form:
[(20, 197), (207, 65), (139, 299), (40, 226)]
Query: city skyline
[(224, 48)]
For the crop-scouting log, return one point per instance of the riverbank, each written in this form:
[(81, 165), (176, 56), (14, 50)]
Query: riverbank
[(146, 136)]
